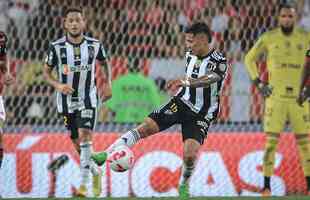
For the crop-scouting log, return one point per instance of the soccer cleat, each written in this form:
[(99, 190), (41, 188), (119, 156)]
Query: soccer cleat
[(184, 191), (99, 158), (97, 185), (265, 192), (81, 192), (58, 163)]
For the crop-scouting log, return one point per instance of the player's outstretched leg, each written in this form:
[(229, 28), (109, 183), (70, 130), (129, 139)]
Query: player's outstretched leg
[(191, 148), (129, 138), (147, 128)]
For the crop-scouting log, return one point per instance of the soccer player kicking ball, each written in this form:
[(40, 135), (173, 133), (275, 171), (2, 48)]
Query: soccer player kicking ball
[(284, 48), (195, 105), (75, 58)]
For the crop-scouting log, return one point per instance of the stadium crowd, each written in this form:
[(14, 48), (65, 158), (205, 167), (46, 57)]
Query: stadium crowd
[(142, 37)]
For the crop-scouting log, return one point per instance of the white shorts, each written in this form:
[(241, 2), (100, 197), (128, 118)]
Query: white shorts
[(2, 111)]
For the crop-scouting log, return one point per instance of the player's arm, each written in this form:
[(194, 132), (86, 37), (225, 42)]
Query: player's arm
[(8, 77), (50, 63), (250, 62), (50, 79), (203, 81), (103, 63), (304, 92), (217, 74)]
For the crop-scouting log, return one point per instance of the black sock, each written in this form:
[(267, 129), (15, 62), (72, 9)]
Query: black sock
[(267, 182), (308, 182)]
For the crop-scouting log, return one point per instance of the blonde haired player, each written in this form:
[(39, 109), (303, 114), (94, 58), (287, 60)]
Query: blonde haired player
[(284, 49), (5, 79)]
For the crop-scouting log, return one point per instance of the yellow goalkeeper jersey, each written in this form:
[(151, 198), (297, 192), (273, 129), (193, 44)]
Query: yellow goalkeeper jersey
[(285, 56)]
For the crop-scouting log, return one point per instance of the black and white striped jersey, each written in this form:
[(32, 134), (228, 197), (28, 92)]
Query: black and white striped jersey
[(204, 101), (76, 65)]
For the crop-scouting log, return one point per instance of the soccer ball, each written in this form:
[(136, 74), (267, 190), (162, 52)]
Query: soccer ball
[(121, 159)]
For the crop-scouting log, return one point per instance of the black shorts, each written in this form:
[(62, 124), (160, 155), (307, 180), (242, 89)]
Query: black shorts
[(175, 111), (85, 118)]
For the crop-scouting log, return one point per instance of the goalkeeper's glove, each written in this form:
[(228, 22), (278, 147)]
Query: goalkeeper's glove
[(303, 95), (263, 88), (3, 41)]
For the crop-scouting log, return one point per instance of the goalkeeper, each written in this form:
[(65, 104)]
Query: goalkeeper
[(284, 49)]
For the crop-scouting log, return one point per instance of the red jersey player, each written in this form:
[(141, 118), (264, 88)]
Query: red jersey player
[(5, 79), (304, 93)]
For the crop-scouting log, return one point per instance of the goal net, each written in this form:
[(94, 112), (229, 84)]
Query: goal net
[(144, 36)]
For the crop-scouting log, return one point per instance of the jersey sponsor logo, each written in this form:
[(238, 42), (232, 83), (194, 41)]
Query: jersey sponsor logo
[(87, 113), (291, 65), (78, 68)]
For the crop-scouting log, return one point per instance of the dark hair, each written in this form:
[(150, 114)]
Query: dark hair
[(288, 5), (200, 27), (73, 9)]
